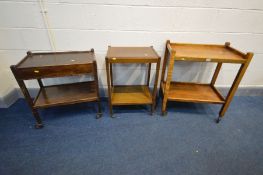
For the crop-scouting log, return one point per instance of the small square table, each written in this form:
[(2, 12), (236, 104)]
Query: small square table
[(132, 94)]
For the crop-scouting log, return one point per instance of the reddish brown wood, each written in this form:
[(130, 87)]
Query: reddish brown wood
[(131, 94), (132, 52)]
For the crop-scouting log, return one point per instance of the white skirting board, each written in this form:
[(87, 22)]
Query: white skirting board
[(15, 94)]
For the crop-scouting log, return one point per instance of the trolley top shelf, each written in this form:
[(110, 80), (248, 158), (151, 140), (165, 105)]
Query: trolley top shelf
[(43, 59), (131, 54), (206, 53)]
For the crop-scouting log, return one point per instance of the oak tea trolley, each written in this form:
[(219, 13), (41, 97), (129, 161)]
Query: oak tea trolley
[(195, 92)]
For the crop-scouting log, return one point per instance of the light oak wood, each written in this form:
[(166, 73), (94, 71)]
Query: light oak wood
[(168, 80), (235, 84), (217, 70), (193, 92), (204, 93), (131, 95), (209, 53)]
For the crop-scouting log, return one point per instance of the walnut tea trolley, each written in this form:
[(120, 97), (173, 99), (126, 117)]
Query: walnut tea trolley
[(58, 64), (132, 94), (195, 92)]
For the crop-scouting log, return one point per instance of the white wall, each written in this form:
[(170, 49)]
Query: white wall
[(85, 24)]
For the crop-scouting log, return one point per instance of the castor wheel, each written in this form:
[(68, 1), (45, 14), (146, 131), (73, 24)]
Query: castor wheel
[(164, 113), (98, 115), (218, 119), (39, 125)]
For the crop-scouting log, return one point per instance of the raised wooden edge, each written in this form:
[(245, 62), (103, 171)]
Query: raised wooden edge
[(226, 45), (214, 60), (199, 44), (30, 53)]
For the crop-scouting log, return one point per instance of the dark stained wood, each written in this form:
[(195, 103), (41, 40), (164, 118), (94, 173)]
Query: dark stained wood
[(66, 94), (28, 98), (58, 64), (54, 71), (40, 82), (43, 59), (55, 64), (148, 74), (96, 81)]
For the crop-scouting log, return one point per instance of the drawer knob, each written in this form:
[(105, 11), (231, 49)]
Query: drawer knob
[(36, 71), (114, 58)]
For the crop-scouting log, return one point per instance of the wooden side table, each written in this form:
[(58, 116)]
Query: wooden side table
[(131, 94), (196, 92), (58, 64)]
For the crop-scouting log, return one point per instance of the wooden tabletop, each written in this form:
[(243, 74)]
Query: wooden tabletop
[(207, 52), (56, 59), (132, 52)]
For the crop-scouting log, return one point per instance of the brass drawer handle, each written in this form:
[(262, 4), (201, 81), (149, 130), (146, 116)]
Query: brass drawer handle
[(36, 71), (114, 58)]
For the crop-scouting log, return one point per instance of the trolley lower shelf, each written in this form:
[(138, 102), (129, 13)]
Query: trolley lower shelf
[(131, 95), (193, 92), (66, 94)]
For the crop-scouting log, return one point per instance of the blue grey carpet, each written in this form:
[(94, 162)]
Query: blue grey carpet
[(187, 141)]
